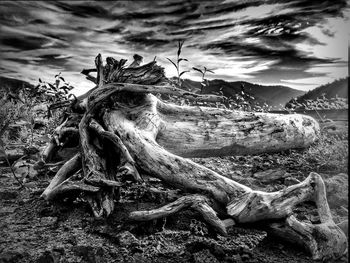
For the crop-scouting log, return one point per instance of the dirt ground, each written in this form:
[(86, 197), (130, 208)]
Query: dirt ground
[(33, 230)]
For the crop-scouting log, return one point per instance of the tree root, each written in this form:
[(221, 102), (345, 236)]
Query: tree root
[(102, 203), (256, 205), (197, 202), (69, 188), (102, 182), (324, 241), (49, 151), (126, 166), (67, 170)]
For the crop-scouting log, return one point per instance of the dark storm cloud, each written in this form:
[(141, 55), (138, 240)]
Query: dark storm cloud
[(288, 65), (150, 14), (320, 6), (115, 29), (85, 10), (27, 43), (19, 60), (264, 40), (38, 22), (229, 7), (274, 72), (61, 38), (56, 58), (286, 56), (147, 38)]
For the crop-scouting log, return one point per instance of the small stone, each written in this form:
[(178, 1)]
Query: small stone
[(245, 257), (236, 259), (218, 251), (46, 257), (7, 210), (138, 257), (8, 194), (59, 250), (13, 256), (271, 175), (125, 238), (99, 255), (86, 252), (48, 220), (72, 240), (337, 190), (22, 201), (204, 256)]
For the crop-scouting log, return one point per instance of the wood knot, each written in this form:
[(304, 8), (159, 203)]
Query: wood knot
[(206, 136)]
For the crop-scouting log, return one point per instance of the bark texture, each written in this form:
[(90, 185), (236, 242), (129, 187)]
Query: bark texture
[(125, 131)]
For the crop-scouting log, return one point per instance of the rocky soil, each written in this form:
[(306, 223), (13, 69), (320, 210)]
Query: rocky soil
[(32, 230)]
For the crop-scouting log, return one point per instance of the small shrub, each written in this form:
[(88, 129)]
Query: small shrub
[(204, 81), (30, 105)]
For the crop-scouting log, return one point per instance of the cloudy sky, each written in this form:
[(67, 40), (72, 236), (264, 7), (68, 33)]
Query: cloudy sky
[(299, 43)]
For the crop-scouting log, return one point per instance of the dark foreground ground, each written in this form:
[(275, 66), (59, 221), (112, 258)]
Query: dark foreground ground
[(32, 230)]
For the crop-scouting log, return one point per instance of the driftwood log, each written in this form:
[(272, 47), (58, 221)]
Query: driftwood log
[(122, 129)]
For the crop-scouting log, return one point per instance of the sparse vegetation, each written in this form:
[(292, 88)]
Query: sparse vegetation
[(27, 119), (204, 81), (35, 107), (178, 62), (329, 154), (319, 104)]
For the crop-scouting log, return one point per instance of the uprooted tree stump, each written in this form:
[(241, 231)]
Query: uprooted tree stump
[(122, 130)]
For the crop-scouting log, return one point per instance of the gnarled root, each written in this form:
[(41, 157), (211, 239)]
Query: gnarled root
[(323, 241), (49, 150), (102, 203), (126, 165), (70, 188), (97, 187), (256, 205), (197, 202), (67, 170)]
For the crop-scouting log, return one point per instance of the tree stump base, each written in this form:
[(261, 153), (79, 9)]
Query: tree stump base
[(126, 131)]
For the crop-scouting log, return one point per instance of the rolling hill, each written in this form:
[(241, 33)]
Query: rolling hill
[(275, 96), (10, 85), (272, 95), (330, 90)]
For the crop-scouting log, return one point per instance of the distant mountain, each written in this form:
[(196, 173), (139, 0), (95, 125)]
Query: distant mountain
[(330, 90), (274, 96)]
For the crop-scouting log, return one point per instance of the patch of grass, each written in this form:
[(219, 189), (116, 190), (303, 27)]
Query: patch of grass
[(329, 154)]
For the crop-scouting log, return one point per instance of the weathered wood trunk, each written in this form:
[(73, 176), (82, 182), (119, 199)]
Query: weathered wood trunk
[(202, 131), (159, 135), (125, 130)]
